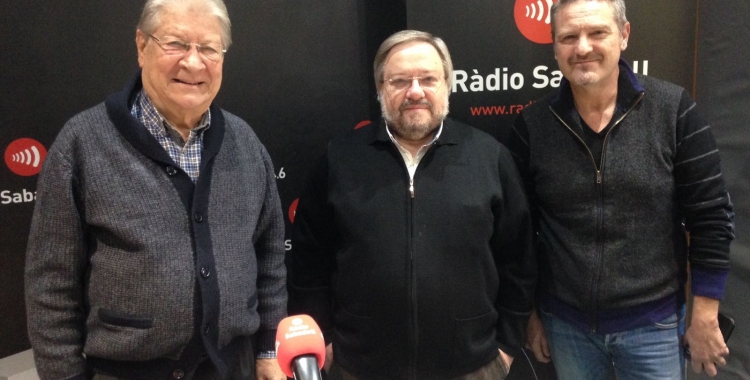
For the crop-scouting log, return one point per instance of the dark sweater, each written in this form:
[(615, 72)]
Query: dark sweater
[(124, 248), (422, 287), (611, 242)]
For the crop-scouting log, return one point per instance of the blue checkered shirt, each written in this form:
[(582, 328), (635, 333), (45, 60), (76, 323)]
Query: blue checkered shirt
[(186, 154)]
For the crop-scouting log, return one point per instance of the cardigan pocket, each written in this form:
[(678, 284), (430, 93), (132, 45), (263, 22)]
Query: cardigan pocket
[(124, 320), (119, 336)]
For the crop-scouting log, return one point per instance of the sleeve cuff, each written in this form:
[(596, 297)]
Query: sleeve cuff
[(266, 341), (266, 355), (708, 282)]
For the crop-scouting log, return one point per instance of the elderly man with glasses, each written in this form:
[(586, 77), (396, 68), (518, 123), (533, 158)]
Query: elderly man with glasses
[(156, 248), (412, 241)]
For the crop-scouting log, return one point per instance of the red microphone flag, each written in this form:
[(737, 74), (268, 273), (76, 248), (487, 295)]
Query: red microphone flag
[(298, 335)]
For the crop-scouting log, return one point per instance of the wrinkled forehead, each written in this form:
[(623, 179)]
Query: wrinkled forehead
[(189, 19), (584, 13)]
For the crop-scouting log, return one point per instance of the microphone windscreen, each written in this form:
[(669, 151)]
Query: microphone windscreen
[(298, 335)]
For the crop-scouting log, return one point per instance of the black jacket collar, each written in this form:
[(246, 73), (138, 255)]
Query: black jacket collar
[(628, 91), (449, 136)]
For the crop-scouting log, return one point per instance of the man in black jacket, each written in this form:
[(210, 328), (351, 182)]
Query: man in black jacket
[(412, 240), (614, 164)]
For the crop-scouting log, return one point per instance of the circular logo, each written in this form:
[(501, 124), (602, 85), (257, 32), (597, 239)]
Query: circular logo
[(533, 19), (297, 321), (293, 210), (25, 157)]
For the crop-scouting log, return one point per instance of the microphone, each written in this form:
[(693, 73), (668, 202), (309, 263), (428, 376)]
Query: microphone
[(300, 348)]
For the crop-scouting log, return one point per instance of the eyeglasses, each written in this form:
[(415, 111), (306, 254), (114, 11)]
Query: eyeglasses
[(429, 82), (176, 47)]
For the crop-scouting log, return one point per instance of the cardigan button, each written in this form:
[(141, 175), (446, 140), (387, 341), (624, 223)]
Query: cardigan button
[(205, 272), (178, 374), (171, 171), (198, 217)]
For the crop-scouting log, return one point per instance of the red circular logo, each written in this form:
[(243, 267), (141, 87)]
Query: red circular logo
[(293, 210), (533, 19), (25, 157)]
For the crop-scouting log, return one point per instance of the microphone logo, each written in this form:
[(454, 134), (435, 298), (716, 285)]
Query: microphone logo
[(533, 19), (25, 157)]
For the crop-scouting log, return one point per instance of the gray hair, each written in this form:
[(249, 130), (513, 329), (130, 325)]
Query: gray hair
[(152, 12), (618, 6), (405, 36)]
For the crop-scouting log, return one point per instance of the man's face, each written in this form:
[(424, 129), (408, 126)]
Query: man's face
[(187, 84), (413, 111), (588, 42)]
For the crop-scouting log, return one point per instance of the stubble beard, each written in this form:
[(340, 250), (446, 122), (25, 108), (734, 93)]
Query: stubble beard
[(410, 128)]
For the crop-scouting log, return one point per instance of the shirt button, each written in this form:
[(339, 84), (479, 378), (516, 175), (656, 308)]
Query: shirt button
[(206, 329), (171, 171), (178, 374), (205, 272), (198, 217)]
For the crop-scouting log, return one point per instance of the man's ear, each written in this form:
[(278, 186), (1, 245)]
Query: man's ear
[(625, 33), (141, 39)]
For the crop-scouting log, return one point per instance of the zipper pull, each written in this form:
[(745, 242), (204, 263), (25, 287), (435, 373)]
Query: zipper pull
[(411, 187), (598, 177)]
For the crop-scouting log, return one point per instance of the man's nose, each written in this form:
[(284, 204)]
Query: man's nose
[(415, 91), (192, 58), (583, 46)]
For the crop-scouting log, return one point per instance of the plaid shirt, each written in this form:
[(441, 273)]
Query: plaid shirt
[(186, 154)]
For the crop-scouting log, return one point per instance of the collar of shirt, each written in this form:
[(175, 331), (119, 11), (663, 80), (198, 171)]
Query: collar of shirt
[(186, 154), (144, 110), (410, 161)]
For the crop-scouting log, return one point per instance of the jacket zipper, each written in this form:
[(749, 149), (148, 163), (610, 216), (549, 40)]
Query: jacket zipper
[(600, 219), (414, 336), (412, 286)]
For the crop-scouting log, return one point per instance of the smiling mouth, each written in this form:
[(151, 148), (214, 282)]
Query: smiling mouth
[(188, 83)]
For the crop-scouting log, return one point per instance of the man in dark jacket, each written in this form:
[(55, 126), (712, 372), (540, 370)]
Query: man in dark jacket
[(617, 167), (412, 241)]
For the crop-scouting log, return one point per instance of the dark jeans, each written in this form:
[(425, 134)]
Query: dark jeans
[(494, 370)]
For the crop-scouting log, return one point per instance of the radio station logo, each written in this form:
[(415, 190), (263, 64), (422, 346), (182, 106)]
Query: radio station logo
[(533, 19), (25, 157)]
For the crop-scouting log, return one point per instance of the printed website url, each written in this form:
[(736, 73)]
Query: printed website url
[(505, 109)]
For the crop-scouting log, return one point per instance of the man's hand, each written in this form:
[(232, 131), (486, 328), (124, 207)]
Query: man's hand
[(329, 357), (268, 369), (707, 347), (536, 340)]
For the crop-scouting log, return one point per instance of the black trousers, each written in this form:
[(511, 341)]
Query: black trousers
[(494, 370)]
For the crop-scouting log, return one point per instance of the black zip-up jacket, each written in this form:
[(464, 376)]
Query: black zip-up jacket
[(611, 241), (414, 287)]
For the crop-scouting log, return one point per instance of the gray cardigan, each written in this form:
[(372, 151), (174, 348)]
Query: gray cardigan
[(127, 258)]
